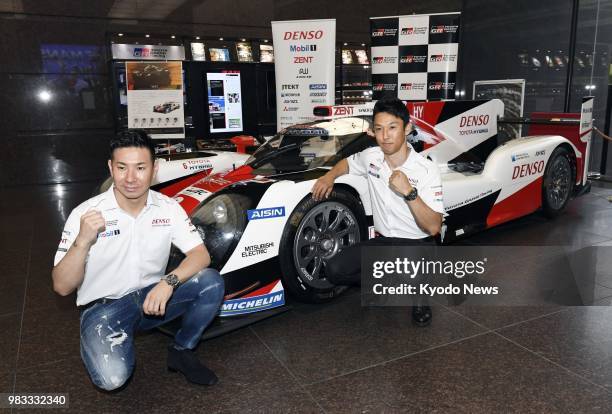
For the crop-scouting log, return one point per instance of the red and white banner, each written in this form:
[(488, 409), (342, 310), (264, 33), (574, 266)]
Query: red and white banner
[(305, 68)]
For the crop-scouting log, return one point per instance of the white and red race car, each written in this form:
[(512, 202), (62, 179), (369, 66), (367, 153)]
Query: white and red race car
[(266, 234)]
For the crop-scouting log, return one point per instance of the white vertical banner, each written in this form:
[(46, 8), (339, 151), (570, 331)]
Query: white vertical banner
[(304, 63)]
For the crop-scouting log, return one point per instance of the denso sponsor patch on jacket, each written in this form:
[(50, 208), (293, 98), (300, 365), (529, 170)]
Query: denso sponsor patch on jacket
[(266, 213)]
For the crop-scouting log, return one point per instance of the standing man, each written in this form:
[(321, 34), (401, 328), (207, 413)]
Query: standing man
[(114, 251), (406, 193)]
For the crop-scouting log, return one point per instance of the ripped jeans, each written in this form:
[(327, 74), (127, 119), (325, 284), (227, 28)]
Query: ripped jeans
[(107, 329)]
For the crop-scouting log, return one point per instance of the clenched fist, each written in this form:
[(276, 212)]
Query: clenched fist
[(92, 223), (399, 183), (322, 188)]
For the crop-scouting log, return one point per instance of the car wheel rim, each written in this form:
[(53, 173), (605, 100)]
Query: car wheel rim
[(325, 230), (559, 184)]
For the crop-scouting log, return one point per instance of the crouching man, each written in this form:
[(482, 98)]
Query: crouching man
[(114, 251)]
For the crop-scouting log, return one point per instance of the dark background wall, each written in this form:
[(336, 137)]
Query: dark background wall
[(65, 139)]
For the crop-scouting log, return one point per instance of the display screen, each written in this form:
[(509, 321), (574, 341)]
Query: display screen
[(266, 53), (197, 51), (224, 102), (245, 53)]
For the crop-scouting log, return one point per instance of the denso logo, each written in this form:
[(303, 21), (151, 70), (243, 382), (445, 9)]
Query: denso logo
[(265, 213), (160, 222), (525, 170), (309, 35), (473, 120)]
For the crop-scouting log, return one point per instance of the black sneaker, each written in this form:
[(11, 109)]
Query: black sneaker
[(421, 315), (187, 363)]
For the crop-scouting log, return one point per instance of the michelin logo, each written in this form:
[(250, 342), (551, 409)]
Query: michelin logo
[(265, 213), (253, 304)]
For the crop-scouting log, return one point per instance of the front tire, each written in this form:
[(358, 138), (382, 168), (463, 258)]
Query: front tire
[(557, 183), (316, 232)]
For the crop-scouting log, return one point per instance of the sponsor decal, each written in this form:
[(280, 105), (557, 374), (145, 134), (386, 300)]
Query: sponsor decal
[(443, 58), (290, 86), (373, 170), (109, 233), (384, 59), (161, 222), (413, 181), (521, 156), (371, 232), (266, 213), (384, 86), (303, 35), (412, 86), (290, 109), (317, 86), (540, 153), (468, 200), (196, 165), (473, 120), (439, 86), (437, 193), (303, 59), (413, 59), (146, 52), (257, 249), (318, 100), (290, 101), (318, 93), (525, 170), (384, 32), (192, 228), (444, 29), (66, 232), (63, 250), (194, 191), (252, 304), (302, 48), (111, 223), (408, 31), (289, 94)]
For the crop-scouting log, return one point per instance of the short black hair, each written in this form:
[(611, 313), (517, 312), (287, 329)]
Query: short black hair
[(394, 107), (132, 138)]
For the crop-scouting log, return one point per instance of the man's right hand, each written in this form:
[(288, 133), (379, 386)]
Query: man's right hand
[(322, 188), (92, 223)]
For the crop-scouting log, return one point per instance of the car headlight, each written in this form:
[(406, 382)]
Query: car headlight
[(220, 221)]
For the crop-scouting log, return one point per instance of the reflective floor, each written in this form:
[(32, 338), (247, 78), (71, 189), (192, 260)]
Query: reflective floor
[(337, 357)]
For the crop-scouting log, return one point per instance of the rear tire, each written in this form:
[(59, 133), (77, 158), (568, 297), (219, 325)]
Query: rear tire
[(558, 182), (314, 233)]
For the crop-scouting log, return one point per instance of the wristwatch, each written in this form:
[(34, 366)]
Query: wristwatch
[(172, 280), (411, 196)]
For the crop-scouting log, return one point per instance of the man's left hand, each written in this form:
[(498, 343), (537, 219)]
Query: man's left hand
[(155, 302), (399, 183)]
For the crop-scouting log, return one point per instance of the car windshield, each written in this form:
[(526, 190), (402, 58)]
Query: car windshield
[(297, 151)]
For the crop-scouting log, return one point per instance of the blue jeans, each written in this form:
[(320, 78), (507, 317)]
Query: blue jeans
[(107, 329)]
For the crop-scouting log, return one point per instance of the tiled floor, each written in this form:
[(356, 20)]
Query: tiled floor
[(337, 357)]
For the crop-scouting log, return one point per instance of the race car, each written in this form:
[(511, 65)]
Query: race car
[(179, 169), (268, 236), (166, 107)]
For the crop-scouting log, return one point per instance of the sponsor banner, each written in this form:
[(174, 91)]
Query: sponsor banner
[(444, 28), (413, 30), (147, 52), (412, 86), (586, 131), (384, 59), (425, 44), (442, 58), (305, 68), (384, 31), (384, 86), (155, 98)]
